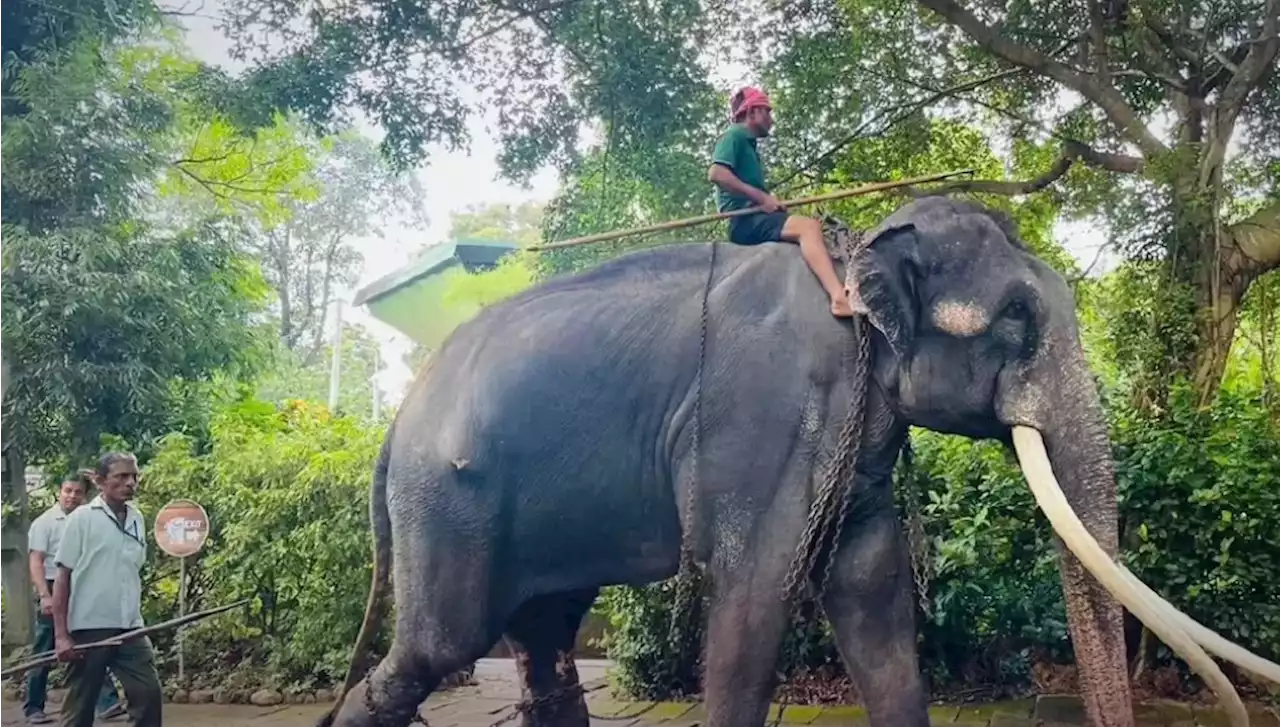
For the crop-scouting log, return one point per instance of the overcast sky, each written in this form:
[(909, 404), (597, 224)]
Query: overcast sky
[(453, 181)]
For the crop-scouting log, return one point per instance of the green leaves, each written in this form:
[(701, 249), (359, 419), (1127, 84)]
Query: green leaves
[(541, 67), (287, 492), (114, 330)]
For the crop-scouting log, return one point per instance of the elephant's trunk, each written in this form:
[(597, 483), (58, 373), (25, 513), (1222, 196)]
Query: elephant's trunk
[(1081, 453), (1073, 443)]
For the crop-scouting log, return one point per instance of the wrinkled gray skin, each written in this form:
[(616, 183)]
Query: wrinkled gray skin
[(546, 453)]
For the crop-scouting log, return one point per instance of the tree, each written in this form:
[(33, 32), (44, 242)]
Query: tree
[(117, 321), (312, 254), (1182, 203), (295, 376), (521, 224), (422, 70)]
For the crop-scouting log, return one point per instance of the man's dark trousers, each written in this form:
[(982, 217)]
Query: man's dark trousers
[(133, 663), (38, 679)]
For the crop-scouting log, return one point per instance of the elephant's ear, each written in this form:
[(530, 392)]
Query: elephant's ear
[(882, 282)]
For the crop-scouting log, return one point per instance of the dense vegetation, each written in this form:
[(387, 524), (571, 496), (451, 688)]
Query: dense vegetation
[(175, 236)]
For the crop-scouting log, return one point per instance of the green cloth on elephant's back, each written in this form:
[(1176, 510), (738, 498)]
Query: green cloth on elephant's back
[(736, 149)]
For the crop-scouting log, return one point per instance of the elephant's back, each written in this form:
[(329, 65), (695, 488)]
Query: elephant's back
[(548, 419)]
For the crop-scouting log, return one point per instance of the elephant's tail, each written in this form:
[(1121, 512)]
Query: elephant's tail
[(362, 655)]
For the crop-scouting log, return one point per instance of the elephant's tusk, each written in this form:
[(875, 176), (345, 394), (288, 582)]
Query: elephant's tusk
[(1044, 486), (1209, 639), (1206, 637)]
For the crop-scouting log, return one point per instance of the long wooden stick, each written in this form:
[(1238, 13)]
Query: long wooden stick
[(50, 657), (703, 219)]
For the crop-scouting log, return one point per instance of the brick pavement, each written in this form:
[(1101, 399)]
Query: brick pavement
[(491, 698)]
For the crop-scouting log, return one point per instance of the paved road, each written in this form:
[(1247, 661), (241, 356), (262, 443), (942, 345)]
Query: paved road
[(491, 699)]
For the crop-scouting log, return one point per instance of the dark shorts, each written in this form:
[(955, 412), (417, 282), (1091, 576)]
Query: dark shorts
[(757, 228)]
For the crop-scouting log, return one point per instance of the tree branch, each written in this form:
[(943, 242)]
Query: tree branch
[(519, 14), (1098, 38), (1257, 240), (1223, 114), (906, 110), (1072, 152), (1104, 95), (1253, 69)]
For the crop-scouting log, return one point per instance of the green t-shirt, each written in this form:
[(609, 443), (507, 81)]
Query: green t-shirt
[(736, 149)]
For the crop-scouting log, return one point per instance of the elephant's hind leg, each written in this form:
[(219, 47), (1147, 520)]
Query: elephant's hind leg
[(542, 634), (444, 620), (869, 602)]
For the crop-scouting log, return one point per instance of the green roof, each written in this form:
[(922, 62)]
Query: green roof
[(409, 299)]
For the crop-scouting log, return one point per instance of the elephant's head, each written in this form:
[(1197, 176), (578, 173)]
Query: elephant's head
[(979, 338)]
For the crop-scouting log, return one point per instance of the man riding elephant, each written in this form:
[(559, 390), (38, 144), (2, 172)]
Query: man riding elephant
[(588, 430), (739, 175)]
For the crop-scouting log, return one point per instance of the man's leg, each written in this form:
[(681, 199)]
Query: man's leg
[(134, 665), (84, 678), (808, 232), (108, 700), (38, 679)]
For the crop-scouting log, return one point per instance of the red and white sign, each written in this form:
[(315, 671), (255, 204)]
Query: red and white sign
[(181, 528)]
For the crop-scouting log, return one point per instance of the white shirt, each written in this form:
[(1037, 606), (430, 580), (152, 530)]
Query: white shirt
[(105, 557), (44, 535)]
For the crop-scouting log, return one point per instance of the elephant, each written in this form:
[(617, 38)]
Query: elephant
[(584, 432)]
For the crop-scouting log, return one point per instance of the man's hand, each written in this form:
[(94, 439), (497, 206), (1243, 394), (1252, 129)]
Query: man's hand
[(65, 647), (769, 203), (46, 605)]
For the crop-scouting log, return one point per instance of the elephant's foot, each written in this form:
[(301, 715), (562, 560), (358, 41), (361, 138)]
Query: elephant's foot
[(391, 695), (541, 635)]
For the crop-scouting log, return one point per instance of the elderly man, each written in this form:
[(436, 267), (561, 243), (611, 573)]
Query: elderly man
[(98, 595), (43, 538)]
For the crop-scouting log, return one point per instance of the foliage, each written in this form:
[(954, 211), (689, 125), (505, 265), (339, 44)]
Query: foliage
[(639, 619), (286, 490), (291, 376), (521, 224), (121, 315), (422, 71), (1201, 494), (121, 331)]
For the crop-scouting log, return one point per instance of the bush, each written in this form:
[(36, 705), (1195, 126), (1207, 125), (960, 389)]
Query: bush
[(1199, 496), (287, 493)]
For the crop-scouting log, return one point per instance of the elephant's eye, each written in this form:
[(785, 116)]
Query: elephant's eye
[(1017, 310)]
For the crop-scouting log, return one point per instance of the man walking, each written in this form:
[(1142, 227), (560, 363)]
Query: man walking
[(737, 171), (98, 594), (43, 538)]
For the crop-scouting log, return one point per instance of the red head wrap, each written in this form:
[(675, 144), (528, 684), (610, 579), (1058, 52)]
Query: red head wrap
[(746, 99)]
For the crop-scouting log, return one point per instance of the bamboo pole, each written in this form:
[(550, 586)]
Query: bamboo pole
[(50, 657), (703, 219)]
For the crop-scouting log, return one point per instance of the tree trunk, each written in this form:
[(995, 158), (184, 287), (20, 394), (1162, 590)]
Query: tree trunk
[(1209, 269), (19, 600)]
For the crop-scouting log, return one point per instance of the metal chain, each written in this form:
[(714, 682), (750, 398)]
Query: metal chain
[(528, 706), (917, 538), (688, 580), (829, 509)]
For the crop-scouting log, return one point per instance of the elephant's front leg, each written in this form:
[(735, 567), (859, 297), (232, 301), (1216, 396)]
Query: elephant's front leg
[(744, 634), (869, 602)]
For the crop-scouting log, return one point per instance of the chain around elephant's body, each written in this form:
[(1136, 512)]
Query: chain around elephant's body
[(827, 513), (688, 580)]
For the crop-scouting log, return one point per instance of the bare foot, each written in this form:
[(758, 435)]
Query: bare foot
[(840, 307)]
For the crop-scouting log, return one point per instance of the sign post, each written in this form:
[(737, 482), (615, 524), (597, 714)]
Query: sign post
[(181, 529)]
